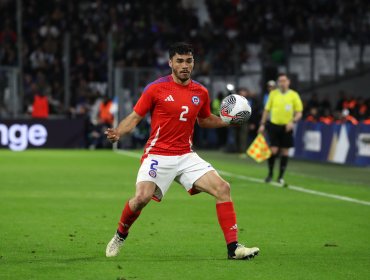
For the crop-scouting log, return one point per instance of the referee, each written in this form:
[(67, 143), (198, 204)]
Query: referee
[(285, 108)]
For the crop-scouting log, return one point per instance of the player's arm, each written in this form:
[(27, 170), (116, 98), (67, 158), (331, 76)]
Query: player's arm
[(298, 108), (126, 126), (212, 121), (265, 114), (297, 116), (208, 120)]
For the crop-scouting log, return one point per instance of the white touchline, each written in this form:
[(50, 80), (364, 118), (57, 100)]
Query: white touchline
[(256, 180), (296, 188)]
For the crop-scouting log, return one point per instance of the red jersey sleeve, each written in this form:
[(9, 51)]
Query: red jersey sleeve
[(145, 102), (205, 111)]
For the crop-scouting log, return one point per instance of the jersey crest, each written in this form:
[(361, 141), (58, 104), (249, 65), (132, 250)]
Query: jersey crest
[(195, 100)]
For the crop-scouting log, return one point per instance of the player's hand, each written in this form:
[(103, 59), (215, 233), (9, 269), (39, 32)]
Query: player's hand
[(289, 127), (112, 134), (261, 129)]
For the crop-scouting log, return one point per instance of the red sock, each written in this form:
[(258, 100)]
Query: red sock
[(227, 219), (127, 219)]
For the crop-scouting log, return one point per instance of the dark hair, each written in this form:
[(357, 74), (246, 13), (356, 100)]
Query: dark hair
[(180, 48), (283, 74)]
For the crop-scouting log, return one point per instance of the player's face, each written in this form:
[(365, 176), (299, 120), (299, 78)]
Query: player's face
[(283, 83), (182, 65)]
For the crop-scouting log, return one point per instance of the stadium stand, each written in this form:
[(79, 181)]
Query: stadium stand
[(141, 32)]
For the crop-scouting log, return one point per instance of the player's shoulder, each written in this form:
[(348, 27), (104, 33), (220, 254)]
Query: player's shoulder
[(293, 92), (157, 83), (274, 92), (199, 86)]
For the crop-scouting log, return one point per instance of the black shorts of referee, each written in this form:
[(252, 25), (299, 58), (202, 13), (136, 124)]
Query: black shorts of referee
[(279, 137)]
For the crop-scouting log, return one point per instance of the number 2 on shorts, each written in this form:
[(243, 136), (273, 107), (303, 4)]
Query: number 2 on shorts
[(154, 164)]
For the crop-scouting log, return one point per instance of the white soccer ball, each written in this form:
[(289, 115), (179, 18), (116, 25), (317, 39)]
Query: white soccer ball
[(235, 109)]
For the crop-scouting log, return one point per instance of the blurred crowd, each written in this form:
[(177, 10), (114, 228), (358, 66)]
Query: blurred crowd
[(141, 32), (278, 24), (347, 109)]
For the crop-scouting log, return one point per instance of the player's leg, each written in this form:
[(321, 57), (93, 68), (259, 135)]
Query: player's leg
[(287, 142), (274, 136), (271, 163), (144, 192), (213, 184), (154, 179), (283, 165)]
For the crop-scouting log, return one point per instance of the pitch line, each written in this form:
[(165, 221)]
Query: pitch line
[(260, 181), (296, 188)]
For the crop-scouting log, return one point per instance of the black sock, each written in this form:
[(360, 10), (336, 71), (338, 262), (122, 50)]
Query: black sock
[(231, 247), (271, 163), (283, 165), (122, 235)]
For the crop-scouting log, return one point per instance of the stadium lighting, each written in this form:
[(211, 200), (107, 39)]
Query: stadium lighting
[(230, 87)]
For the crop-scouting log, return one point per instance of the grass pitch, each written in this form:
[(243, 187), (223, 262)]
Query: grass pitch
[(60, 208)]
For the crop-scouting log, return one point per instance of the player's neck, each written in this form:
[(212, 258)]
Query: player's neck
[(284, 91), (178, 81)]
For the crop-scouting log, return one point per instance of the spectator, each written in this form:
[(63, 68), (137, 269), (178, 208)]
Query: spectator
[(216, 103), (271, 85), (313, 102), (366, 119), (313, 115), (360, 111), (48, 30), (348, 118), (105, 112), (220, 132), (140, 37), (325, 104), (240, 133), (40, 106), (38, 59), (326, 117)]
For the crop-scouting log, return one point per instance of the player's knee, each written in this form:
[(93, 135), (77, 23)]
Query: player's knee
[(142, 199), (223, 191)]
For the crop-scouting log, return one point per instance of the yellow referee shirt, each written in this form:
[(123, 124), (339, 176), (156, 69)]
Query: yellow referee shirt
[(283, 105)]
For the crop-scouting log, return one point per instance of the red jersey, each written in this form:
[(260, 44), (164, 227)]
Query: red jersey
[(174, 109)]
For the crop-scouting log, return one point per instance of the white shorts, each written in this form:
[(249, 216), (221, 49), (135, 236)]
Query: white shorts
[(163, 170)]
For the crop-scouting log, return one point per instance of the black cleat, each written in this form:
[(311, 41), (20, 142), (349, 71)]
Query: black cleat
[(282, 183), (268, 179)]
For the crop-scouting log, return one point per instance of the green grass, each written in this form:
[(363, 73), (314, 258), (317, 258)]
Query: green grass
[(59, 209)]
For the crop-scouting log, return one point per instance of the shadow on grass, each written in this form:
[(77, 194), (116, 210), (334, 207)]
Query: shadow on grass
[(120, 259)]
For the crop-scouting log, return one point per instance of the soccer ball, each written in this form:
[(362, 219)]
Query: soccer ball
[(235, 109)]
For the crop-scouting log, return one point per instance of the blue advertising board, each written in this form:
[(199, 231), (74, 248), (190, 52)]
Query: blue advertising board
[(339, 143)]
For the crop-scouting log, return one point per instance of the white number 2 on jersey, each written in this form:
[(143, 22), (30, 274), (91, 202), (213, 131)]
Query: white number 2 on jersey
[(184, 112)]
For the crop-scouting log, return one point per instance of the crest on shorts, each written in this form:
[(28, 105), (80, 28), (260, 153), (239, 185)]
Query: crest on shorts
[(152, 173), (195, 100)]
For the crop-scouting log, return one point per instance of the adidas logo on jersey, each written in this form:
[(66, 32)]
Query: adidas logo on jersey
[(169, 98)]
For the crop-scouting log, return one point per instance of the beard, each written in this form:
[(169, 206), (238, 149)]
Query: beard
[(183, 77)]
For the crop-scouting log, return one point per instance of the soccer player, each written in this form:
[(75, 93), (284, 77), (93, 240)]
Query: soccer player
[(285, 108), (175, 103)]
